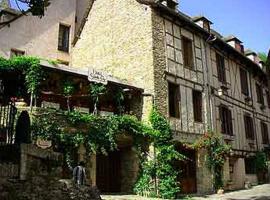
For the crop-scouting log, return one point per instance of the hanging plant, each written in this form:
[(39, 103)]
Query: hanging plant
[(68, 91), (120, 98), (96, 90)]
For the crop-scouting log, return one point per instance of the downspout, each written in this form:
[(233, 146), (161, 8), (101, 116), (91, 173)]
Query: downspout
[(207, 87)]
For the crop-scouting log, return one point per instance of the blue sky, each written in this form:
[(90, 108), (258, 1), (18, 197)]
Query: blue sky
[(249, 20)]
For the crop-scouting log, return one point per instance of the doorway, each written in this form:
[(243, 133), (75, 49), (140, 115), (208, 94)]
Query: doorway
[(108, 174)]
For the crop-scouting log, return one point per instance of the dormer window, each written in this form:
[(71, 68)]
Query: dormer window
[(203, 22), (235, 43)]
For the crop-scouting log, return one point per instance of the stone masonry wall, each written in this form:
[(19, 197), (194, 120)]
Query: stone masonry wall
[(117, 38)]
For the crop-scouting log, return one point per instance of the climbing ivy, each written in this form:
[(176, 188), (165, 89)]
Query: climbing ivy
[(261, 161), (217, 152), (158, 176), (98, 134), (68, 130)]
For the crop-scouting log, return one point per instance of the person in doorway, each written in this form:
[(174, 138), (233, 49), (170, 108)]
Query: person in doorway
[(79, 175)]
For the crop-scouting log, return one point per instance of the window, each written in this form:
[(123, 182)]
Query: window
[(259, 91), (197, 105), (244, 81), (268, 98), (174, 98), (187, 52), (226, 120), (206, 25), (249, 129), (16, 52), (221, 68), (63, 38), (250, 166), (264, 129)]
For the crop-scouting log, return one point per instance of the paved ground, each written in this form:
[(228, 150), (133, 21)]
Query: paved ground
[(261, 192)]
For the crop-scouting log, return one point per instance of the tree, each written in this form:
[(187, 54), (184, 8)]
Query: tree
[(263, 56), (36, 7)]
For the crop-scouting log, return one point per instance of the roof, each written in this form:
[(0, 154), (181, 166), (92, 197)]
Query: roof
[(219, 42), (230, 38), (83, 71), (249, 52), (201, 17)]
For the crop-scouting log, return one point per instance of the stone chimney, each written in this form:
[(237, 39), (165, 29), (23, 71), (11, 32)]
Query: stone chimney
[(171, 4), (235, 43), (253, 56), (203, 22)]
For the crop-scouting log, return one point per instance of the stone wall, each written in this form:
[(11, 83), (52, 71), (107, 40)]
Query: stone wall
[(117, 38), (35, 161), (39, 37), (129, 169)]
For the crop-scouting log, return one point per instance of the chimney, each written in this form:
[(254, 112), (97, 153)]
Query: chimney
[(203, 22), (235, 43), (171, 4), (253, 56)]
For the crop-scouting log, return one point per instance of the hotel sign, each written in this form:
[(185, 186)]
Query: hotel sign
[(44, 144), (97, 76)]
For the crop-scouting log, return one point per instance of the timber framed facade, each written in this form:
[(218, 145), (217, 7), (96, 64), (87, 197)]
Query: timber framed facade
[(197, 78)]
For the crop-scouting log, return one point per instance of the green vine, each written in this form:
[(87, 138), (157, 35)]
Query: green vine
[(119, 98), (68, 130), (217, 152), (96, 90), (158, 176), (30, 66), (68, 90), (261, 161)]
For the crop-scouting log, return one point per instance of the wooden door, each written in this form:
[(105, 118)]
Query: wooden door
[(187, 177), (108, 174)]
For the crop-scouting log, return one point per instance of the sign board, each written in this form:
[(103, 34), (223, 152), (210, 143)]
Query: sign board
[(44, 144), (97, 76), (81, 109), (46, 104)]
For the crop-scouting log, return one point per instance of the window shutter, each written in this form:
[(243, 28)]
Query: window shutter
[(230, 124), (244, 82)]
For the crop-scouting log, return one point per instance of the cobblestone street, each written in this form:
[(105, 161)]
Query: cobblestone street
[(261, 192)]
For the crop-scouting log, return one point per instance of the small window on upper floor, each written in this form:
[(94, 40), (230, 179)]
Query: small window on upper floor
[(63, 38), (16, 52), (187, 52), (244, 82), (174, 100), (221, 68), (265, 136), (259, 91), (225, 115), (197, 105), (249, 128)]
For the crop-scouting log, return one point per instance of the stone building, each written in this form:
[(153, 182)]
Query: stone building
[(197, 78)]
